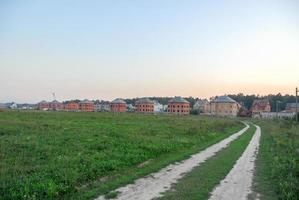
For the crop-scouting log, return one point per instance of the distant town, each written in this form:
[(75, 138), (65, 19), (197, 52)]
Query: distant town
[(226, 105)]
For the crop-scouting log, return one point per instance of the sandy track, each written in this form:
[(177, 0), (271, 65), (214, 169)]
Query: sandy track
[(151, 186), (237, 184)]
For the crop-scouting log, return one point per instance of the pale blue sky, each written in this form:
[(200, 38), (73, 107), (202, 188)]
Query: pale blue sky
[(107, 49)]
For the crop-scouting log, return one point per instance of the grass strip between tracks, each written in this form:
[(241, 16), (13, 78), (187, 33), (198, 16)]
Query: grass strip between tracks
[(198, 183)]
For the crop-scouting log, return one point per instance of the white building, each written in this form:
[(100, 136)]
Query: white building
[(158, 108), (202, 106)]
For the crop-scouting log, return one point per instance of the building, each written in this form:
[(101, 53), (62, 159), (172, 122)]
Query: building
[(224, 106), (4, 106), (118, 105), (86, 106), (102, 106), (55, 105), (144, 105), (178, 106), (43, 105), (291, 107), (202, 106), (26, 106), (158, 108), (105, 106), (13, 105), (130, 108), (259, 106), (71, 106)]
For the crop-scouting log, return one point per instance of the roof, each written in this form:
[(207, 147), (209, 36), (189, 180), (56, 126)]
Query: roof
[(144, 100), (86, 101), (260, 104), (118, 101), (71, 102), (43, 101), (55, 101), (261, 101), (178, 100), (201, 102), (223, 99)]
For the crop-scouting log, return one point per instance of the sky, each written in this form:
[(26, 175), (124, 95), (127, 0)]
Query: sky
[(106, 49)]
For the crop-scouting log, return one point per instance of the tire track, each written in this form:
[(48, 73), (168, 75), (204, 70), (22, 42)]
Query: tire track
[(154, 184), (237, 184)]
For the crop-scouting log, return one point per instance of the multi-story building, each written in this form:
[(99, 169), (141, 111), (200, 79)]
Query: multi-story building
[(86, 106), (118, 105), (55, 105), (202, 106), (158, 108), (43, 105), (259, 107), (178, 106), (71, 106), (144, 105), (224, 106)]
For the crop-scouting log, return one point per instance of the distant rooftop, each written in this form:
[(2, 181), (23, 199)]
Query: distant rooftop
[(86, 101), (223, 99), (55, 101), (118, 100), (202, 101), (178, 100), (144, 100), (261, 101)]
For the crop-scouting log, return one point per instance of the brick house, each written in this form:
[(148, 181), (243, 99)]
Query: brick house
[(71, 106), (86, 106), (144, 105), (43, 105), (118, 105), (55, 105), (224, 106), (259, 106), (178, 106)]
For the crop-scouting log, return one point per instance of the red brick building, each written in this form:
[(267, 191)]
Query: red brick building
[(178, 106), (259, 106), (144, 105), (43, 105), (86, 106), (55, 105), (71, 106), (118, 105)]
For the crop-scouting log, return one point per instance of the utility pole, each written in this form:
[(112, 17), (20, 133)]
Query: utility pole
[(277, 102), (296, 104)]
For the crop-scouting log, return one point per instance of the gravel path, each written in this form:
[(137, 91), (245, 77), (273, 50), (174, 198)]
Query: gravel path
[(237, 184), (153, 185)]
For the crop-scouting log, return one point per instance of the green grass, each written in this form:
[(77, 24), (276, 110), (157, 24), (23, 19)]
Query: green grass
[(277, 171), (58, 155), (198, 183)]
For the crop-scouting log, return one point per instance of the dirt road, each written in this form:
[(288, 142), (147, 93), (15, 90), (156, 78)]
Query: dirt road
[(237, 184), (153, 185)]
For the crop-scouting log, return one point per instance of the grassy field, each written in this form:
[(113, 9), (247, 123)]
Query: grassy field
[(58, 155), (277, 172), (198, 184)]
